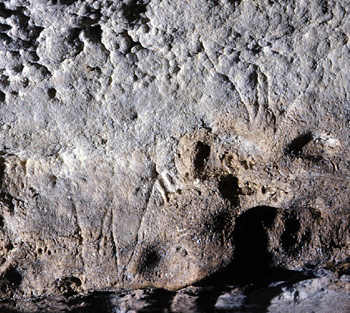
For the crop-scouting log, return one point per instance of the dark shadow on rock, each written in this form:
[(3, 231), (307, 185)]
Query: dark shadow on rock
[(6, 310), (134, 9), (251, 271), (252, 266), (229, 189), (159, 301), (96, 302), (154, 301), (250, 238), (202, 155), (207, 299), (10, 280), (295, 148), (251, 258)]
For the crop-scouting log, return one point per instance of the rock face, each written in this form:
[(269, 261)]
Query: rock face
[(328, 292), (152, 143)]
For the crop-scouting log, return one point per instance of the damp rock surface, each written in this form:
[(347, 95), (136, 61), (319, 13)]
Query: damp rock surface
[(152, 143)]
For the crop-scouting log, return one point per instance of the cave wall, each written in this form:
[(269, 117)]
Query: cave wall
[(150, 143)]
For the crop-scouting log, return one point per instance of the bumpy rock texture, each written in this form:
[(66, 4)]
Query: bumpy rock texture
[(325, 293), (152, 143)]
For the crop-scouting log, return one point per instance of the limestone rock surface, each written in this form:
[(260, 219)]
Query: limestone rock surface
[(327, 292), (149, 143)]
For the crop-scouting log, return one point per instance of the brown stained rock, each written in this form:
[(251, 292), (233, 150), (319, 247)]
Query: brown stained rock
[(153, 143)]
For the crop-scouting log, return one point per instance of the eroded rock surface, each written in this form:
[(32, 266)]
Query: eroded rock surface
[(326, 292), (152, 143)]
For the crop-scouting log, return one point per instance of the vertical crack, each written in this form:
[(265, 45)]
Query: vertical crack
[(148, 199), (115, 245), (78, 231)]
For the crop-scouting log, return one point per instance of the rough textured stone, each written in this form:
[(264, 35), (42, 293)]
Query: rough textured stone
[(150, 143), (326, 292)]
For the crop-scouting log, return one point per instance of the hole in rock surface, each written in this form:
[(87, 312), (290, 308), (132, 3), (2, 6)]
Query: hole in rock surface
[(202, 155), (51, 93), (94, 33), (149, 261), (295, 148), (10, 280), (229, 189), (68, 286), (2, 97), (134, 9)]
